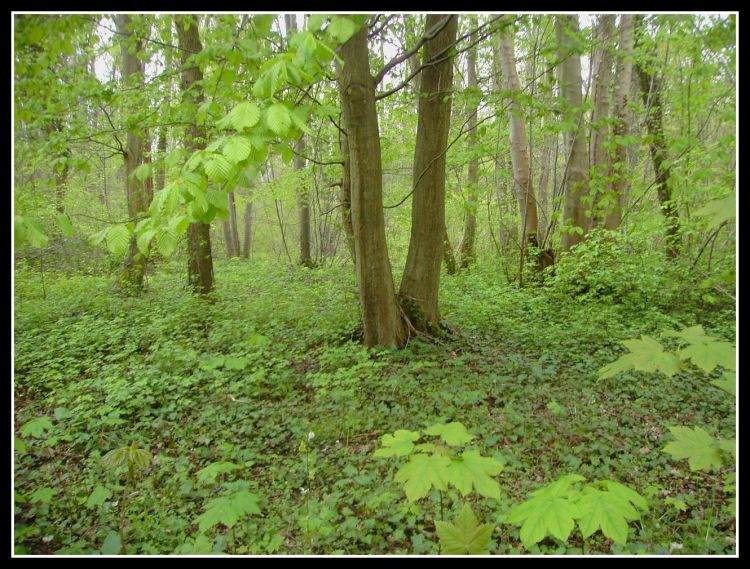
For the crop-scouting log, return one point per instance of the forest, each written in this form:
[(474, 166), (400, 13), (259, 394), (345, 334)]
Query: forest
[(374, 284)]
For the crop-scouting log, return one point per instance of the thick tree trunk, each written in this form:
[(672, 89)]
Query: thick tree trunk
[(518, 145), (421, 279), (618, 163), (651, 92), (576, 179), (346, 198), (248, 234), (470, 220), (134, 265), (200, 261), (381, 318), (600, 115)]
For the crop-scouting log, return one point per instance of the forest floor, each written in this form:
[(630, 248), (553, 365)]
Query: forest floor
[(268, 375)]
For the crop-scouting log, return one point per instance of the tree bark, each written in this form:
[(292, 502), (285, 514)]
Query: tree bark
[(200, 261), (576, 179), (346, 198), (618, 163), (381, 319), (130, 279), (248, 235), (421, 279), (470, 221), (518, 145), (651, 91)]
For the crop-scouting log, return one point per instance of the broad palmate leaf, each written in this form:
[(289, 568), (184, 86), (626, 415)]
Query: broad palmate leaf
[(421, 473), (452, 433), (465, 536), (399, 443), (228, 510), (645, 354), (471, 469), (697, 446)]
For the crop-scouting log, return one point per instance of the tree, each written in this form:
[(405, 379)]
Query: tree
[(134, 264), (470, 223), (576, 178), (200, 261), (421, 279), (381, 320)]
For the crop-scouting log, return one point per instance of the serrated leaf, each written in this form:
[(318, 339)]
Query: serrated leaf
[(710, 354), (278, 119), (142, 172), (118, 239), (213, 362), (465, 536), (606, 511), (98, 497), (421, 473), (728, 446), (236, 149), (228, 510), (217, 168), (63, 221), (646, 355), (242, 116), (208, 474), (341, 29), (626, 493), (728, 383), (453, 433), (36, 427), (399, 443), (471, 469), (166, 243), (218, 199), (43, 495), (19, 446), (697, 446), (165, 200), (112, 544), (144, 241)]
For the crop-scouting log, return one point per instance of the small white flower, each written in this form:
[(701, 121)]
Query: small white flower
[(304, 491), (48, 538), (673, 546), (310, 436)]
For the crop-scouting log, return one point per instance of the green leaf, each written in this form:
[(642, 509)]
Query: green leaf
[(144, 241), (166, 243), (118, 239), (646, 355), (278, 119), (421, 473), (708, 356), (626, 493), (696, 445), (217, 168), (235, 363), (242, 116), (19, 446), (111, 545), (165, 200), (471, 469), (142, 172), (43, 495), (98, 497), (718, 211), (341, 28), (218, 199), (228, 510), (453, 433), (130, 456), (236, 149), (465, 536), (728, 383), (63, 221), (208, 474), (607, 511), (36, 427), (399, 443), (213, 362)]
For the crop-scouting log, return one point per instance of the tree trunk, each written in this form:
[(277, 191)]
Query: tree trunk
[(651, 92), (448, 257), (518, 146), (130, 279), (470, 222), (576, 179), (228, 240), (421, 279), (200, 261), (381, 319), (618, 163), (161, 174), (248, 235), (600, 115), (346, 198)]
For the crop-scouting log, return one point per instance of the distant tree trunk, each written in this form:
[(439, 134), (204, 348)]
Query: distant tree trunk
[(518, 145), (130, 279), (381, 319), (600, 115), (651, 92), (228, 240), (470, 220), (248, 234), (200, 261), (576, 179), (421, 279), (231, 234), (448, 257), (346, 198), (161, 173), (618, 164)]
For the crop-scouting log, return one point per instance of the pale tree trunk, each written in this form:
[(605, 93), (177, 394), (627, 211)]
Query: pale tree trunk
[(134, 265), (303, 194), (381, 319), (200, 261), (576, 179), (346, 198), (651, 92), (228, 241), (231, 235), (470, 220), (161, 174), (618, 163), (248, 234), (600, 115), (421, 279), (519, 148)]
